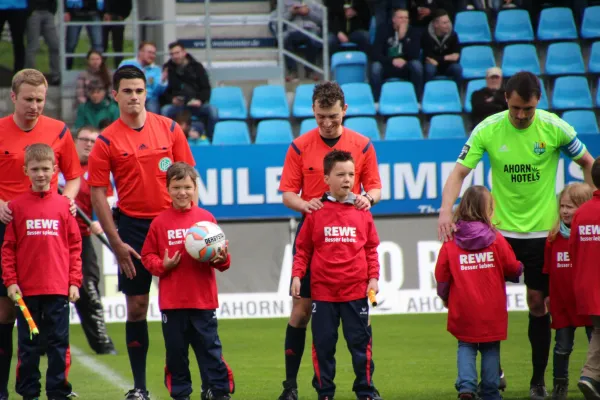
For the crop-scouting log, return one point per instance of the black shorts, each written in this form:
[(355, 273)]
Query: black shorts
[(3, 291), (531, 253), (304, 282), (133, 231)]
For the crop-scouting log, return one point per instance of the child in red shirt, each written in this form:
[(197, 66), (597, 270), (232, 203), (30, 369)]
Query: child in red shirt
[(41, 262), (187, 292), (470, 272), (557, 264), (339, 242)]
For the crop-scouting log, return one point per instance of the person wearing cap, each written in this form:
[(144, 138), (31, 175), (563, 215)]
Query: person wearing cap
[(97, 109), (489, 99)]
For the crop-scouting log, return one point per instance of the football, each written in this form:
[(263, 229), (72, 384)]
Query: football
[(204, 240)]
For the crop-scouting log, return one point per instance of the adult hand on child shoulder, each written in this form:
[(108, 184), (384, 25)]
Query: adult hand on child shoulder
[(13, 290), (171, 262), (296, 287), (73, 293), (5, 212)]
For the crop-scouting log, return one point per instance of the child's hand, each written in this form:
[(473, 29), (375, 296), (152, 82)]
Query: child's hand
[(171, 262), (296, 287), (73, 293), (13, 290), (373, 285), (221, 255)]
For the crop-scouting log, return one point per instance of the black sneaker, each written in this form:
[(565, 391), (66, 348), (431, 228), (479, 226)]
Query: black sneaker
[(203, 396), (561, 387), (502, 385), (290, 391), (589, 387), (137, 394), (210, 395), (376, 395), (538, 392)]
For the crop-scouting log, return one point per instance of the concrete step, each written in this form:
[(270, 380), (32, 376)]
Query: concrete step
[(229, 7)]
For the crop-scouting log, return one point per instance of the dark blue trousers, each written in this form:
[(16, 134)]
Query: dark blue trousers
[(183, 328), (51, 314), (326, 318)]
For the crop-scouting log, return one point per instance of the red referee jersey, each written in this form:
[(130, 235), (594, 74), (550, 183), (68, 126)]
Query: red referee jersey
[(14, 141), (139, 163), (303, 167)]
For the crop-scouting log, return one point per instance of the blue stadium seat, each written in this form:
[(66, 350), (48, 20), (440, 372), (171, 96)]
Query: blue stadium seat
[(594, 61), (359, 98), (398, 98), (349, 66), (543, 104), (230, 102), (231, 132), (403, 128), (598, 94), (269, 101), (472, 27), (520, 57), (271, 131), (302, 107), (590, 27), (564, 59), (446, 127), (513, 26), (571, 92), (584, 121), (441, 97), (556, 23), (475, 60), (366, 126), (472, 86), (307, 124)]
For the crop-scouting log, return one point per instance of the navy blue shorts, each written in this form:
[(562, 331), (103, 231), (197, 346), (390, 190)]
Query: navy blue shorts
[(304, 282), (3, 291), (133, 231)]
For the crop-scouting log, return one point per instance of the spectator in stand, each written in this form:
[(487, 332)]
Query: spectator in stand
[(441, 50), (194, 130), (115, 10), (156, 78), (307, 16), (97, 108), (349, 22), (421, 12), (396, 54), (499, 5), (188, 88), (81, 11), (41, 23), (15, 13), (96, 71), (490, 99)]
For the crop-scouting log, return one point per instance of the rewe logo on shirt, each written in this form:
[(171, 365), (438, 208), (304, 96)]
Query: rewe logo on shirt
[(336, 234), (45, 227), (563, 256), (176, 236), (476, 261), (589, 233)]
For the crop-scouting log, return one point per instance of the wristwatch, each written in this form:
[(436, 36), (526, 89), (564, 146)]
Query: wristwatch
[(368, 196)]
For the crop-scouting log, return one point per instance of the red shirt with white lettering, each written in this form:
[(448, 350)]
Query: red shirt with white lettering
[(191, 284), (557, 264), (84, 201), (584, 248), (339, 243), (42, 245), (477, 300)]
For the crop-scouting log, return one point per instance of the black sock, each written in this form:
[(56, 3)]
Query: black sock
[(136, 335), (294, 348), (6, 352), (540, 339)]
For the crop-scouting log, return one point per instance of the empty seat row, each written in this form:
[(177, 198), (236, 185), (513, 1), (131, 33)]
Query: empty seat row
[(555, 23)]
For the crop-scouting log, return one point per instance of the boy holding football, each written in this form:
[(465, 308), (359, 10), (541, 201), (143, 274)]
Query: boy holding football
[(187, 292), (339, 242)]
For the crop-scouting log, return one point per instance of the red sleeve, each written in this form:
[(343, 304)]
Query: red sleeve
[(151, 253), (573, 240), (181, 147), (369, 176), (75, 271), (99, 164), (9, 254), (291, 177), (547, 256), (304, 247), (69, 163), (443, 276), (510, 265), (371, 247)]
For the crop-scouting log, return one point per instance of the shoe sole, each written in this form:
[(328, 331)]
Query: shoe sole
[(588, 390)]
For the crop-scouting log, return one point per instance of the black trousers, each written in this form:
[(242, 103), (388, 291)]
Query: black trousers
[(17, 20), (118, 35), (51, 314)]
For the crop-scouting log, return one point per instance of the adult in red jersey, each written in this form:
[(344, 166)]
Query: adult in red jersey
[(303, 174), (137, 149), (24, 127)]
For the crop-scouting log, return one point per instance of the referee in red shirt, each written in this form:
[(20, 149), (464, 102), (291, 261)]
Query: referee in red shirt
[(25, 127), (137, 148), (303, 174)]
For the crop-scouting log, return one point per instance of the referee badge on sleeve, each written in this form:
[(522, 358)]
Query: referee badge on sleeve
[(464, 152)]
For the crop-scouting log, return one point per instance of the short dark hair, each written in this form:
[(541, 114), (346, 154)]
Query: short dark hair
[(127, 72), (328, 94), (90, 128), (179, 171), (596, 172), (440, 12), (176, 44), (526, 84), (334, 157)]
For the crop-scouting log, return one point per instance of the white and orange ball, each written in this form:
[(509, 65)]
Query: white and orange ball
[(204, 240)]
